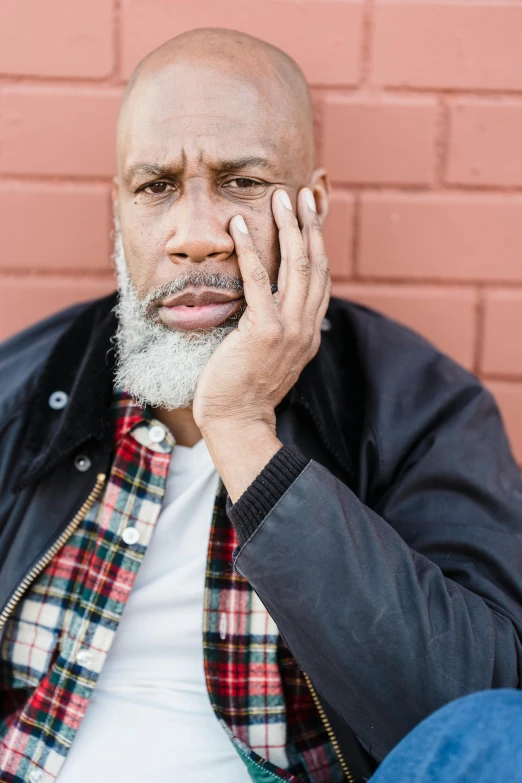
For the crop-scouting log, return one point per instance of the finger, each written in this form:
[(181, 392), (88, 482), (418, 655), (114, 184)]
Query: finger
[(256, 281), (296, 271), (313, 240), (315, 341), (323, 306)]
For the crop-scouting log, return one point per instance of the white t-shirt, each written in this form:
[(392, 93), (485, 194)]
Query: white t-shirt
[(150, 717)]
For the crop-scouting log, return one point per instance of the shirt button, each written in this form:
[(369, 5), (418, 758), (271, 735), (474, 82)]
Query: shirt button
[(130, 535), (84, 657), (157, 433), (36, 776), (58, 400), (82, 463)]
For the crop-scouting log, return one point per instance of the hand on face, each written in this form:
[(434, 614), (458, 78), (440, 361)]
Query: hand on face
[(258, 363)]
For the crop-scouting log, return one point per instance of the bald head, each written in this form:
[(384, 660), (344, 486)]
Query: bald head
[(229, 56)]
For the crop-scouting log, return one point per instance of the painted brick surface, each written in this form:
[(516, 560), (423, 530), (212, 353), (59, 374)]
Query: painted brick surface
[(67, 227), (441, 236), (501, 349), (485, 143), (338, 234), (323, 36), (418, 118), (58, 130), (56, 38), (380, 140), (449, 44)]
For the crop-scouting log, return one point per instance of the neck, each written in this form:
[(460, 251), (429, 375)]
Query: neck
[(181, 423)]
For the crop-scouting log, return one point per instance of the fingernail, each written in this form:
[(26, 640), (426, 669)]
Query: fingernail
[(285, 199), (310, 200), (239, 222)]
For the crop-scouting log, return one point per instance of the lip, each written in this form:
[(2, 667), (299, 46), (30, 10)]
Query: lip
[(199, 309), (202, 296)]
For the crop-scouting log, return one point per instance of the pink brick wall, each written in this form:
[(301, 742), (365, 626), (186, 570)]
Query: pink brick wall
[(419, 115)]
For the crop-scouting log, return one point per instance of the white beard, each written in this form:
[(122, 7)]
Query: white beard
[(156, 365)]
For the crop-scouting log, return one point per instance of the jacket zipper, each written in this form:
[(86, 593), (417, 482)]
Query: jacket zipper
[(67, 533), (331, 734)]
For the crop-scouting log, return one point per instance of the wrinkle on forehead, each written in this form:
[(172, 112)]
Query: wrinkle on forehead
[(208, 86)]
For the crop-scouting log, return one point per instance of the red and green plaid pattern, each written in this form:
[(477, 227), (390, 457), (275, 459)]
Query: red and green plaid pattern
[(56, 640)]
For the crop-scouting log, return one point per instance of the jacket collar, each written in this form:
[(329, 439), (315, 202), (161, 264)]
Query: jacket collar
[(82, 365)]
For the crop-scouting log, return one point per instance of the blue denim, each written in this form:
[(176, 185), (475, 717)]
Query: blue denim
[(475, 739)]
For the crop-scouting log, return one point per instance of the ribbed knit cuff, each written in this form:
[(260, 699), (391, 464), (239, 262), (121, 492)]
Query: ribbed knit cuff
[(258, 500)]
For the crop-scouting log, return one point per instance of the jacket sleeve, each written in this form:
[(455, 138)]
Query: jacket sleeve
[(397, 605)]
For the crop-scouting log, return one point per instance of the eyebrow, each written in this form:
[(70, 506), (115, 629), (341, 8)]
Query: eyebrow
[(231, 166)]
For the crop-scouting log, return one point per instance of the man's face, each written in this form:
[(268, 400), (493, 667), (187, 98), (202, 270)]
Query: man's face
[(196, 148)]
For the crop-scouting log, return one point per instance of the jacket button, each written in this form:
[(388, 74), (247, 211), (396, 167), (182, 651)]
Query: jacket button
[(58, 400), (326, 325), (35, 776), (82, 463)]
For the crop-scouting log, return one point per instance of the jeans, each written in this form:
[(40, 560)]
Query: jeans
[(475, 739)]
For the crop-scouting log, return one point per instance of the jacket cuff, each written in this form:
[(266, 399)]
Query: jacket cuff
[(256, 502)]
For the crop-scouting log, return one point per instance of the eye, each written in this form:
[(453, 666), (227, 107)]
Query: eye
[(243, 183), (156, 188)]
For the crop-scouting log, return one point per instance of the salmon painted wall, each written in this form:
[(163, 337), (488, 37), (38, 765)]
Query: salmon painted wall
[(419, 120)]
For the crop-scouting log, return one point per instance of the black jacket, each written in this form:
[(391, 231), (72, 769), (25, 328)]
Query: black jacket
[(386, 544)]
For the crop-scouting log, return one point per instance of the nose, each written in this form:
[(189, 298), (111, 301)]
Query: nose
[(200, 229)]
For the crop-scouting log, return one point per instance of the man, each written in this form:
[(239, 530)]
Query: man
[(364, 569)]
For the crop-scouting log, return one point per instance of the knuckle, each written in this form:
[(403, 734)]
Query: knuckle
[(294, 334), (314, 223), (273, 332), (322, 262), (302, 262), (260, 274), (323, 267)]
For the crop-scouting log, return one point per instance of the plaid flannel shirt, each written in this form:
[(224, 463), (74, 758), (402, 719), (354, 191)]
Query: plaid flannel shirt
[(55, 642)]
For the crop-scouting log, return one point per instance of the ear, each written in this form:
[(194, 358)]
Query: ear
[(320, 187)]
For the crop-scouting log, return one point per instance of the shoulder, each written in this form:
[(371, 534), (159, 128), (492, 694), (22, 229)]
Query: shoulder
[(23, 356), (412, 392), (391, 353)]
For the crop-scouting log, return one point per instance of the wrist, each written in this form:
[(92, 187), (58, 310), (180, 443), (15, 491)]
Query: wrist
[(240, 450), (237, 428)]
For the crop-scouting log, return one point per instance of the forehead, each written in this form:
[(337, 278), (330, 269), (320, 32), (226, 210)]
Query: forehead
[(204, 115)]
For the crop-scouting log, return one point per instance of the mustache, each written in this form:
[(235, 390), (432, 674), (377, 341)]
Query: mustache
[(219, 281)]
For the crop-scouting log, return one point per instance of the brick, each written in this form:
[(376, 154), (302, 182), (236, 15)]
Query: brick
[(55, 227), (56, 38), (296, 27), (460, 45), (386, 140), (502, 348), (441, 236), (509, 399), (484, 145), (338, 234), (58, 130), (26, 300), (445, 316)]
